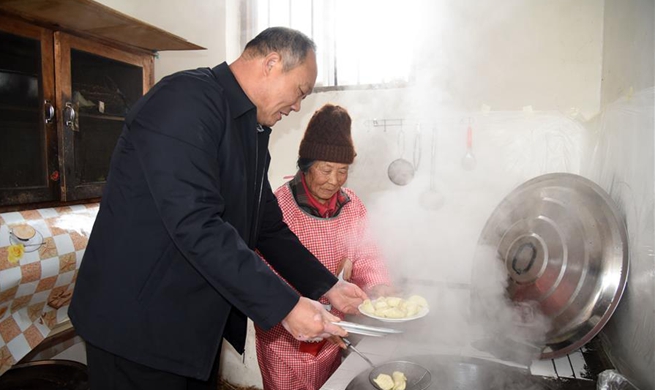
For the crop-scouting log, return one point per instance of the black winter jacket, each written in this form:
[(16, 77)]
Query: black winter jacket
[(170, 268)]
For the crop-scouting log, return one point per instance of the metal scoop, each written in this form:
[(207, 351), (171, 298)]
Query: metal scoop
[(352, 348), (418, 377)]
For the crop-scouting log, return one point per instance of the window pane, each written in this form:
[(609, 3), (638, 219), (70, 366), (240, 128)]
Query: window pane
[(359, 41), (301, 16), (279, 13), (377, 49)]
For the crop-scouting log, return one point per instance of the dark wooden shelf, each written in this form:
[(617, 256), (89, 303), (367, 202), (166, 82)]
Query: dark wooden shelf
[(96, 20)]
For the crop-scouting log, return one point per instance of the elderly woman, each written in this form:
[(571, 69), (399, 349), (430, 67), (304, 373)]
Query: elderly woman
[(331, 222)]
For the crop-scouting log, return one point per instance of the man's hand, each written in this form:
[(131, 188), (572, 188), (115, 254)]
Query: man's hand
[(309, 320), (345, 297), (338, 341)]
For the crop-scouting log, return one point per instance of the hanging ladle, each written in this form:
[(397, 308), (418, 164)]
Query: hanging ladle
[(401, 171), (432, 199)]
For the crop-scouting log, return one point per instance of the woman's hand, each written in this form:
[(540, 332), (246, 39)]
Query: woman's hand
[(346, 297), (346, 266)]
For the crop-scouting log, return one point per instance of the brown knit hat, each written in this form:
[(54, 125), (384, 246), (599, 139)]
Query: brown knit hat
[(327, 137)]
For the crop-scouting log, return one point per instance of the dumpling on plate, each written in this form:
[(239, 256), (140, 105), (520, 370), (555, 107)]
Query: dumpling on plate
[(380, 303), (390, 312), (394, 301), (367, 307), (411, 308), (419, 300)]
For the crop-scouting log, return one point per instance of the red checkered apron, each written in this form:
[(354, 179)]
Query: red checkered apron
[(282, 365)]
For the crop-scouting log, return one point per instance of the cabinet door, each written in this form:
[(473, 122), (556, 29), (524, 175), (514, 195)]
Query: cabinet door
[(96, 86), (28, 142)]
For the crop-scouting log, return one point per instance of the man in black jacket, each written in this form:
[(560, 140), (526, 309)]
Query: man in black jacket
[(170, 267)]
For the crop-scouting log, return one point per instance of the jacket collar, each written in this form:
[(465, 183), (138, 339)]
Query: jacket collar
[(238, 99)]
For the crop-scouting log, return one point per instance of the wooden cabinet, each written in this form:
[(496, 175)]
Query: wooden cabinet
[(63, 99), (96, 85), (28, 134)]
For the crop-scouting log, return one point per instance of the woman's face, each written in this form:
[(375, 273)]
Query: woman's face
[(325, 178)]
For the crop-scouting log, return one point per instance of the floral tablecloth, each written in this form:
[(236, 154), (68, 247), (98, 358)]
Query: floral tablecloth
[(37, 276)]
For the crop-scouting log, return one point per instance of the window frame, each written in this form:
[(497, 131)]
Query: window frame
[(248, 12)]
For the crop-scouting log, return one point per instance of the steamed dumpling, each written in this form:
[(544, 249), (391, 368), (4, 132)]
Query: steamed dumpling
[(367, 307), (393, 301), (399, 380), (380, 303), (390, 312), (384, 382), (411, 308), (394, 307), (419, 300)]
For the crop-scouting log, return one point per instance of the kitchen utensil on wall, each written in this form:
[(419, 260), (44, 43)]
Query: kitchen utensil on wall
[(401, 171), (432, 199), (468, 161), (416, 156), (563, 244)]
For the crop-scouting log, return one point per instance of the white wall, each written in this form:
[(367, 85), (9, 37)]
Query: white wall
[(199, 22), (623, 163), (524, 53), (628, 48)]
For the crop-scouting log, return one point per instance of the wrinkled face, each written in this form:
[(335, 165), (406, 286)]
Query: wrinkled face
[(285, 90), (325, 178)]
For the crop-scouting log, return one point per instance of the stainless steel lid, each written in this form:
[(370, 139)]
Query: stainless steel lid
[(564, 246)]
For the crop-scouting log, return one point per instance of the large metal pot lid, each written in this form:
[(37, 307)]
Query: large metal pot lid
[(564, 246)]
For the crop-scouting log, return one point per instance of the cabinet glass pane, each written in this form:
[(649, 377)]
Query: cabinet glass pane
[(105, 90), (22, 134)]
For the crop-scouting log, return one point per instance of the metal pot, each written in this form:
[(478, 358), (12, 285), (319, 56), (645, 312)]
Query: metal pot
[(462, 373), (46, 375)]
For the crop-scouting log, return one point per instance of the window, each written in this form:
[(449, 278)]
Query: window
[(360, 43)]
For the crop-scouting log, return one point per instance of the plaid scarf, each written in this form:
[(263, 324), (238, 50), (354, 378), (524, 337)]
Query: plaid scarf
[(302, 198)]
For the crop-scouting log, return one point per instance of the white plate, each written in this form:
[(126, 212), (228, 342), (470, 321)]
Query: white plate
[(30, 245), (422, 313), (366, 330)]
